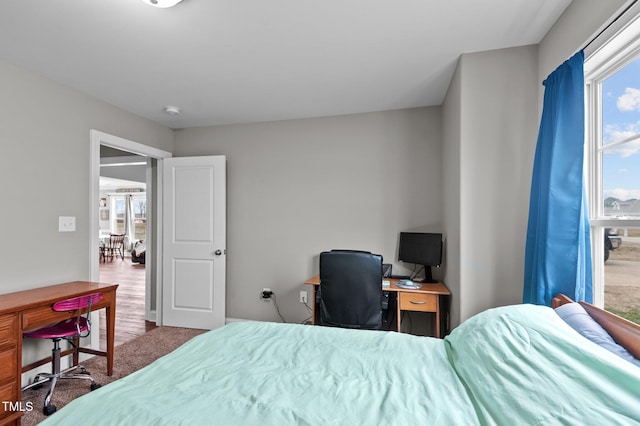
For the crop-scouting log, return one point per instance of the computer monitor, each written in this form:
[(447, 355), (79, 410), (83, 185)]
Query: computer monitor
[(421, 248)]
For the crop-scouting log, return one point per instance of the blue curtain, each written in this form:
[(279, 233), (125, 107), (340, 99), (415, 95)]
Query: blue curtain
[(558, 248)]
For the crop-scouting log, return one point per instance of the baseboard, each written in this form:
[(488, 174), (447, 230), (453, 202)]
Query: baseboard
[(229, 320), (151, 316)]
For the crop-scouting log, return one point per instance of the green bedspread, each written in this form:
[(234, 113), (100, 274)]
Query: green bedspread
[(517, 365)]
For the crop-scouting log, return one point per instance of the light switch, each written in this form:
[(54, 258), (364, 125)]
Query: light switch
[(67, 224)]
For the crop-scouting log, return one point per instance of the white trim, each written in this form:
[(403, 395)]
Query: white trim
[(606, 34), (158, 244), (150, 314), (127, 145), (98, 138), (594, 190), (230, 320), (616, 223)]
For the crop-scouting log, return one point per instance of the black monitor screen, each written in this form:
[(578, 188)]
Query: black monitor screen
[(420, 248)]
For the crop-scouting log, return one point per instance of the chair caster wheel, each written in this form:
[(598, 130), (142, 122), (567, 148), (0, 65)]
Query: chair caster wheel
[(35, 380), (49, 409), (95, 386), (83, 371)]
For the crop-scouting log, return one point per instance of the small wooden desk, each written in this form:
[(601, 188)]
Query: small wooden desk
[(425, 299), (31, 309)]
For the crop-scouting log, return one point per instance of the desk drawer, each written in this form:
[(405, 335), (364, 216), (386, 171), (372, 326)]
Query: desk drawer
[(38, 317), (8, 330), (8, 392), (418, 302), (8, 363)]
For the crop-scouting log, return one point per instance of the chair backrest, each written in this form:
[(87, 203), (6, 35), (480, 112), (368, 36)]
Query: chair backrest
[(351, 289), (77, 303), (116, 240)]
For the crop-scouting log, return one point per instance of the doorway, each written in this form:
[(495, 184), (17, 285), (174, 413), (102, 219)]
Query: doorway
[(118, 270), (122, 214)]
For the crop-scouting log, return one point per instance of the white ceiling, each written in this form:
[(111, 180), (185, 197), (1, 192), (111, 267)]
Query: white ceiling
[(236, 61)]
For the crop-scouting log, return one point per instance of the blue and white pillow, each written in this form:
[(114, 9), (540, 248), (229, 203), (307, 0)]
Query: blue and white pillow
[(578, 319)]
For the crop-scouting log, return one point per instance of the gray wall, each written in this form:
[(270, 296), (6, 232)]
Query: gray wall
[(296, 188), (44, 131), (44, 168), (490, 130), (498, 135)]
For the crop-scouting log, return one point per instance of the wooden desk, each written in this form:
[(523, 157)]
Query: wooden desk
[(425, 299), (31, 309)]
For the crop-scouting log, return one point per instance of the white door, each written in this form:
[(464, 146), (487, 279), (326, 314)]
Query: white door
[(194, 242)]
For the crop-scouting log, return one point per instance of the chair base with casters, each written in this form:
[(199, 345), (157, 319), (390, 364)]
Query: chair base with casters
[(70, 330)]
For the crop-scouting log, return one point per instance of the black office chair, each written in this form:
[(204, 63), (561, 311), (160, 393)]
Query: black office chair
[(351, 289)]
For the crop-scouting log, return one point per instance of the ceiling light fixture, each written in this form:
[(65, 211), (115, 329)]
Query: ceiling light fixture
[(162, 3), (172, 110)]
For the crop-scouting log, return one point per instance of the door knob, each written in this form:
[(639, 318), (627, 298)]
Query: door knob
[(218, 252)]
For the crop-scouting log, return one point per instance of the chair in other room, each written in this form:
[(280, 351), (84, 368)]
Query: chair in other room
[(102, 248), (351, 289), (115, 246), (71, 330)]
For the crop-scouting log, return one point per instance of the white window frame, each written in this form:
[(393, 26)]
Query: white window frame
[(617, 46), (113, 196)]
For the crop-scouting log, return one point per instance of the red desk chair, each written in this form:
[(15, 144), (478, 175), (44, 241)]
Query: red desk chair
[(70, 330)]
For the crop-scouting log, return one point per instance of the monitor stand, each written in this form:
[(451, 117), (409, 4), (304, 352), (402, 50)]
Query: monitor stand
[(428, 277)]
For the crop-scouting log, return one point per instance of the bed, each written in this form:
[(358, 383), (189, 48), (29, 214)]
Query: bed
[(512, 365)]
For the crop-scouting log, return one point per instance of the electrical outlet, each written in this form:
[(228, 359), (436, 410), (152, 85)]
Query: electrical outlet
[(266, 294), (303, 297)]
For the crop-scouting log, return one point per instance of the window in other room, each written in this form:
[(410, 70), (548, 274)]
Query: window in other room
[(139, 205)]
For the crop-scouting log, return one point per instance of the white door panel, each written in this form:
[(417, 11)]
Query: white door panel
[(193, 207), (194, 242)]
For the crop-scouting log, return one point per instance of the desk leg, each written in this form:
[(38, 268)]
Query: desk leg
[(111, 325), (437, 330), (314, 308), (76, 352)]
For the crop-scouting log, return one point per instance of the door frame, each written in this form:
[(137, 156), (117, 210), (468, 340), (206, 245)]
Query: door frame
[(98, 138)]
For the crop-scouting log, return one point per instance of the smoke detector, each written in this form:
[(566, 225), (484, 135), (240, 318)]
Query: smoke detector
[(172, 110), (162, 3)]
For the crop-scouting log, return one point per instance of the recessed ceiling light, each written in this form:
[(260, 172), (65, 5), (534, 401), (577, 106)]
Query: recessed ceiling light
[(172, 110), (162, 3)]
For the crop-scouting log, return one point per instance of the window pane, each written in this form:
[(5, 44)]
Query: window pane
[(140, 213), (621, 182), (621, 271), (621, 104), (120, 208), (620, 159)]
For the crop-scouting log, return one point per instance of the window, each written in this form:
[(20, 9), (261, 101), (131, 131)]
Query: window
[(612, 76), (139, 207)]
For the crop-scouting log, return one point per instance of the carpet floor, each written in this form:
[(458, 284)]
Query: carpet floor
[(128, 357)]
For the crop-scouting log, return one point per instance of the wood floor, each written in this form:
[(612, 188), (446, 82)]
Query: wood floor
[(130, 297)]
